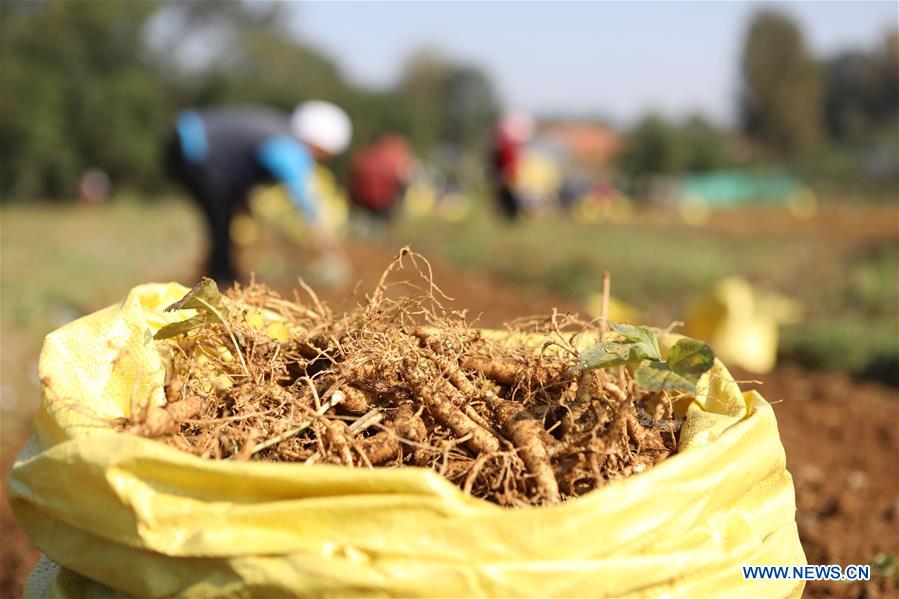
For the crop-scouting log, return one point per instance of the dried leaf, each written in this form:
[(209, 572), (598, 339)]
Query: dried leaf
[(179, 328), (206, 299), (204, 296)]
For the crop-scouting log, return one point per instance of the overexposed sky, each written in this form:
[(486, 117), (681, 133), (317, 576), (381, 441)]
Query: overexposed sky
[(614, 59)]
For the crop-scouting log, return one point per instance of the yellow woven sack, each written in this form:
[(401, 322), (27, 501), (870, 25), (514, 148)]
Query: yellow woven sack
[(125, 514)]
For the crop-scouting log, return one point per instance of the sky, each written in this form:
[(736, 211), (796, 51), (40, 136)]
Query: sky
[(617, 60)]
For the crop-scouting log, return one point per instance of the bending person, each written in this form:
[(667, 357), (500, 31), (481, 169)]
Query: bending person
[(220, 154)]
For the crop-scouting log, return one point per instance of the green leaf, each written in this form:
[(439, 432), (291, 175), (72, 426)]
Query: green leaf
[(885, 564), (640, 344), (658, 376), (606, 354), (643, 338), (690, 358), (687, 360), (206, 299)]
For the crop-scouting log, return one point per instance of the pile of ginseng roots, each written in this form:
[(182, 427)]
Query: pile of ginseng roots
[(403, 382)]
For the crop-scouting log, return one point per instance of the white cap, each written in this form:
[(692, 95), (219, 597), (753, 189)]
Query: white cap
[(322, 125), (517, 126)]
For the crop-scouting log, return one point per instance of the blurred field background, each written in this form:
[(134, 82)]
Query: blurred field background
[(94, 85)]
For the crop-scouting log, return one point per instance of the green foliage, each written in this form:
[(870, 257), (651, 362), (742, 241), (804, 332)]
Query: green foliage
[(789, 100), (844, 95), (642, 339), (861, 92), (653, 148), (882, 80), (97, 84), (872, 287), (886, 565), (447, 102), (865, 347), (657, 146), (705, 146), (640, 343), (688, 359), (781, 103), (860, 113), (205, 298), (471, 106), (606, 354), (76, 93)]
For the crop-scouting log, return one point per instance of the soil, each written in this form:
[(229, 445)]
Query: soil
[(840, 436), (19, 555), (837, 222)]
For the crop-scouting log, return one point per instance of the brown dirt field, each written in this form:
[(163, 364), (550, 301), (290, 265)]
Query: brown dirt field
[(845, 222), (840, 436), (18, 554)]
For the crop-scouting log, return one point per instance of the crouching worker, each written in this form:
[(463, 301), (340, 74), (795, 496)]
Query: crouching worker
[(220, 154), (379, 175)]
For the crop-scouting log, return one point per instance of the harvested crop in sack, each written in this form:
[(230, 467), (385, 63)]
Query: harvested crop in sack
[(406, 382), (177, 466)]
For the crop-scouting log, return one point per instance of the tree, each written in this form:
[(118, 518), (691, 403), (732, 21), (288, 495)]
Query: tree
[(704, 145), (88, 85), (421, 85), (271, 68), (97, 84), (77, 92), (882, 81), (845, 95), (657, 146), (247, 55), (448, 102), (861, 92), (653, 148), (781, 98), (471, 106)]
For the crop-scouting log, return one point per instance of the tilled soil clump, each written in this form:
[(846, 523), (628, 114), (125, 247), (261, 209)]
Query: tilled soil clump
[(514, 418)]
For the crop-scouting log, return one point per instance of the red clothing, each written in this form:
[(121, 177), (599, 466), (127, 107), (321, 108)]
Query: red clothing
[(506, 155), (379, 172)]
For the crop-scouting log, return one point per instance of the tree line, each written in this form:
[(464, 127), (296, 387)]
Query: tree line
[(96, 84), (833, 119)]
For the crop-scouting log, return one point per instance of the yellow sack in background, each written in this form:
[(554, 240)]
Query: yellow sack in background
[(121, 513), (741, 323)]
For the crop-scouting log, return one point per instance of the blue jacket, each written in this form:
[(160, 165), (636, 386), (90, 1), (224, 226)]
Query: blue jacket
[(238, 148)]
